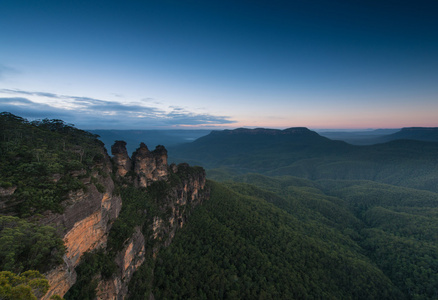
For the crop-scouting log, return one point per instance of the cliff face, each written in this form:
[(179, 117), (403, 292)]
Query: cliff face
[(84, 224), (128, 261), (186, 192), (89, 215)]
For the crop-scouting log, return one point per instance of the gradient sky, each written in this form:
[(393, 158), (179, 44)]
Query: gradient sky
[(221, 64)]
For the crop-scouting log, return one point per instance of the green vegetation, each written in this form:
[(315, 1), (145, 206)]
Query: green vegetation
[(29, 285), (43, 160), (40, 163), (138, 208), (400, 233), (241, 245), (292, 238), (92, 264), (28, 246)]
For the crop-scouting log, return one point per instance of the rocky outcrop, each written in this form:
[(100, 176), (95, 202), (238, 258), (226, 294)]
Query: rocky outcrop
[(5, 194), (148, 166), (121, 158)]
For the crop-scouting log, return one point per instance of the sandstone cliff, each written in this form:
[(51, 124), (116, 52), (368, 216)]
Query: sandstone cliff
[(84, 224), (186, 190), (89, 214)]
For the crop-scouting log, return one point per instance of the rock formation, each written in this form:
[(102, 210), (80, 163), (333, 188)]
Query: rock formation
[(148, 166), (121, 158), (89, 215)]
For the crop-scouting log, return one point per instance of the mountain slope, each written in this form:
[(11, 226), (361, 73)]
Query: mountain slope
[(368, 137), (301, 152), (221, 148), (427, 134)]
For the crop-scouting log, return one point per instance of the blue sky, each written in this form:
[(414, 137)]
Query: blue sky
[(221, 64)]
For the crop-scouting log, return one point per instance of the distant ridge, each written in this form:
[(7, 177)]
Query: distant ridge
[(304, 153), (260, 137), (241, 144), (426, 134), (292, 130), (266, 132)]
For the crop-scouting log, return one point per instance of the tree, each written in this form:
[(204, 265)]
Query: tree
[(29, 285)]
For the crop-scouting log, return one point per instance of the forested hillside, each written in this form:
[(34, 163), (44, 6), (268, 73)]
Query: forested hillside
[(289, 238), (41, 162), (376, 205)]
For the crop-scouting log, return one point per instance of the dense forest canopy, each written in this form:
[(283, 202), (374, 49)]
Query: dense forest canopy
[(289, 238)]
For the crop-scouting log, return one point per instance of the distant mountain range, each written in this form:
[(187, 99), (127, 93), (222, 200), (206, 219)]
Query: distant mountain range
[(169, 138), (304, 153), (371, 137)]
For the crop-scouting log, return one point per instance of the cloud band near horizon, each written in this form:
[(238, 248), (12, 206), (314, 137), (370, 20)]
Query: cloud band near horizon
[(91, 113)]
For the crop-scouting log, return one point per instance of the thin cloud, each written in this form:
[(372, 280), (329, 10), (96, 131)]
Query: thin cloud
[(152, 100), (91, 113), (31, 110), (5, 70)]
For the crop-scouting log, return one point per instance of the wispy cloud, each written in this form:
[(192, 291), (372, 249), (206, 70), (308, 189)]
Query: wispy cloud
[(91, 113), (4, 70)]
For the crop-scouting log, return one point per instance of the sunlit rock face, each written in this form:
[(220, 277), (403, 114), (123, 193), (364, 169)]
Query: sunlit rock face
[(84, 226), (149, 166), (121, 158)]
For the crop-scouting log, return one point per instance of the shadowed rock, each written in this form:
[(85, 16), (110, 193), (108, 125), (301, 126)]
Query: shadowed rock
[(121, 158)]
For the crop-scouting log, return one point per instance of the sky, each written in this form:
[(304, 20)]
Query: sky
[(140, 64)]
